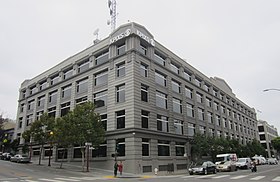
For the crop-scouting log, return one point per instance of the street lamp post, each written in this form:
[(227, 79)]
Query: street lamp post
[(51, 134)]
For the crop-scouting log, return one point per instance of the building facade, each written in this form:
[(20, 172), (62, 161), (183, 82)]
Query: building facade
[(267, 133), (150, 101)]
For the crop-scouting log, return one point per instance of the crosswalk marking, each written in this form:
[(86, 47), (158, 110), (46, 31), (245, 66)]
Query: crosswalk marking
[(220, 176), (28, 180), (206, 176), (188, 176), (67, 179), (238, 177), (276, 179), (257, 178)]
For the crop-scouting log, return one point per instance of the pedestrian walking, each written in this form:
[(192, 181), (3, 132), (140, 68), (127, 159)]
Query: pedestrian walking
[(254, 166), (120, 167), (115, 169)]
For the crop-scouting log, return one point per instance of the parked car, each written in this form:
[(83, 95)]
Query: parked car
[(203, 168), (6, 156), (226, 166), (243, 163), (272, 161), (20, 158)]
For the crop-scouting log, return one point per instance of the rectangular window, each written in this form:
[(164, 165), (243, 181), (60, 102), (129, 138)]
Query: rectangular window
[(145, 119), (144, 70), (206, 88), (210, 117), (223, 109), (211, 132), (121, 49), (143, 49), (161, 100), (43, 85), (83, 66), (145, 147), (202, 130), (144, 93), (179, 127), (33, 90), (54, 79), (101, 151), (120, 93), (120, 69), (180, 148), (23, 94), (199, 97), (162, 123), (200, 114), (100, 98), (103, 118), (197, 82), (216, 106), (52, 112), (225, 122), (81, 100), (29, 119), (215, 92), (188, 76), (190, 110), (120, 116), (177, 105), (53, 96), (82, 86), (101, 78), (65, 108), (20, 122), (102, 57), (188, 92), (208, 102), (41, 101), (163, 148), (218, 120), (174, 68), (31, 105), (39, 114), (159, 58), (66, 92), (22, 107), (160, 79), (191, 129), (176, 86), (67, 73)]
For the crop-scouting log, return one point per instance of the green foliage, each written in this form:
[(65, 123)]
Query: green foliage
[(276, 143)]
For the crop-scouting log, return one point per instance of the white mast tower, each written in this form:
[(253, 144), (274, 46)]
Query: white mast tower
[(112, 4)]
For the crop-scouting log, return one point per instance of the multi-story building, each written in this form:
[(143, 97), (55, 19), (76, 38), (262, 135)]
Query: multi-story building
[(150, 101), (267, 133)]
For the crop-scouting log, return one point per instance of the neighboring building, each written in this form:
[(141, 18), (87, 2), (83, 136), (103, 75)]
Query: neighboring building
[(151, 101), (267, 133), (6, 135)]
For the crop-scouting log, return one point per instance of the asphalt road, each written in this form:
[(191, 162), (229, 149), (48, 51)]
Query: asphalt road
[(14, 172)]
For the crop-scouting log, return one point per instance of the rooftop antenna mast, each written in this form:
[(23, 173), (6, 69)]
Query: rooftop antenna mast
[(113, 14)]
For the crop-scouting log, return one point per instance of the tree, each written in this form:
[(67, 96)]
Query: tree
[(40, 131), (85, 126), (276, 143)]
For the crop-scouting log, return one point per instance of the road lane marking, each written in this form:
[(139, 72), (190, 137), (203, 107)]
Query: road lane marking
[(52, 180), (221, 176), (276, 179), (206, 176), (187, 176), (238, 177), (28, 180), (67, 179), (257, 178)]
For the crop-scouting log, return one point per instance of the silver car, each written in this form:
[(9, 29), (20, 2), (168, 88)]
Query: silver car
[(20, 158)]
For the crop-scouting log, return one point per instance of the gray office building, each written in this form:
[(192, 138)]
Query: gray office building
[(151, 101)]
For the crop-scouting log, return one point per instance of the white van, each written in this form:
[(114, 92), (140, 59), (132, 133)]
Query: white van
[(226, 157), (260, 160)]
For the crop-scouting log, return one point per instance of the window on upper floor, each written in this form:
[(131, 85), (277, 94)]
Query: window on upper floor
[(145, 119), (200, 114), (176, 86), (120, 69), (188, 92), (180, 148), (179, 127), (187, 75), (52, 112), (174, 68), (177, 105), (41, 101), (31, 105), (54, 79), (66, 91), (163, 148), (162, 123), (215, 92), (100, 98), (43, 85), (144, 93), (206, 87), (199, 97), (103, 119), (190, 110), (33, 89), (81, 100), (197, 82), (64, 108), (82, 86), (53, 96), (191, 129), (161, 100), (29, 119), (144, 70), (67, 73), (159, 58), (160, 79), (120, 93), (23, 94), (208, 102), (102, 57), (210, 117), (121, 49), (101, 78), (145, 147), (120, 118), (83, 66), (143, 49)]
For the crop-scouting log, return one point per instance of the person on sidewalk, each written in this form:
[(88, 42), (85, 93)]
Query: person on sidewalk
[(115, 169), (120, 167)]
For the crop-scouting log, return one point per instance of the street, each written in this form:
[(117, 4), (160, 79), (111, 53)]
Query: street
[(14, 172)]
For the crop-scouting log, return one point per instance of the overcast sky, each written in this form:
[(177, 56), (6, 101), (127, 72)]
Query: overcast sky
[(237, 40)]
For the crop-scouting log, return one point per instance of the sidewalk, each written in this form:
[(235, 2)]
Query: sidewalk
[(76, 168)]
